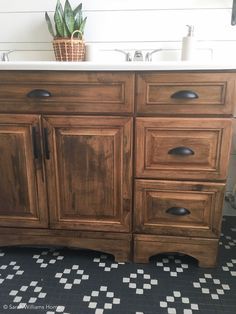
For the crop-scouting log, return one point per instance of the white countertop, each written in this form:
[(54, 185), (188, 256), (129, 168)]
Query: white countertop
[(124, 66)]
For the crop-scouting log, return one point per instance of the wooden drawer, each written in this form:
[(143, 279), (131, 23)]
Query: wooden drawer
[(183, 148), (76, 92), (185, 93), (178, 208)]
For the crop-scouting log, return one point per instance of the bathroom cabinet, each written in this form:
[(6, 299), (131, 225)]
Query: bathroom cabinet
[(66, 161), (129, 163), (183, 137)]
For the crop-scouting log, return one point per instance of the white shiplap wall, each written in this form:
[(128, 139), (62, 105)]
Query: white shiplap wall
[(130, 24), (127, 24)]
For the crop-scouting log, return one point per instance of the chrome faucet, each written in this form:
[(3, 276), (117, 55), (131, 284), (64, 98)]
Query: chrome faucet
[(5, 55), (127, 54), (138, 56), (148, 56)]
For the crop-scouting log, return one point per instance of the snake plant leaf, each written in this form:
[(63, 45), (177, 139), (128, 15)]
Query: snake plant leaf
[(77, 10), (66, 32), (49, 23), (76, 25), (78, 20), (59, 25), (69, 17), (82, 25), (60, 8), (58, 19)]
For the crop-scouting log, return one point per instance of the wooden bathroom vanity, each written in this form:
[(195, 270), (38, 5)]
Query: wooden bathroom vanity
[(131, 163)]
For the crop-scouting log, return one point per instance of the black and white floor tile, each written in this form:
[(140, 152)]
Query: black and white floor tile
[(63, 281)]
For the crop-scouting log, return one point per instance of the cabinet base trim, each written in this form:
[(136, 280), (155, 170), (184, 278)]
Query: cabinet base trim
[(118, 245), (204, 250)]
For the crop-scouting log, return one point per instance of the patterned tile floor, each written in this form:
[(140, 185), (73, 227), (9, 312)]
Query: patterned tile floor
[(52, 280)]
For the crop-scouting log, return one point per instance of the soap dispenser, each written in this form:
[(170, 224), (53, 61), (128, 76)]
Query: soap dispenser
[(189, 45)]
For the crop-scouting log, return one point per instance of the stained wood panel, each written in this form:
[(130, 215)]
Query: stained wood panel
[(207, 141), (22, 190), (214, 91), (159, 202), (89, 172), (69, 157), (205, 250), (77, 92)]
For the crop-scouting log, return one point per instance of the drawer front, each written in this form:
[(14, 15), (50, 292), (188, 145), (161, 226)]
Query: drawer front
[(75, 92), (178, 208), (182, 148), (185, 93)]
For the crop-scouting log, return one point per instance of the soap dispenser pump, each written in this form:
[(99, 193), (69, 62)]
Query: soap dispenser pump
[(189, 45)]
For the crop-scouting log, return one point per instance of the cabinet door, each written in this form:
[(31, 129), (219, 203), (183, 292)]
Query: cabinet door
[(22, 190), (88, 163)]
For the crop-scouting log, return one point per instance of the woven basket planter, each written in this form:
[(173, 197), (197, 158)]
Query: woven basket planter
[(69, 49)]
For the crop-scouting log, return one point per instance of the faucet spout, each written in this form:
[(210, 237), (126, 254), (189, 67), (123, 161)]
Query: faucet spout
[(5, 55), (127, 54), (148, 56)]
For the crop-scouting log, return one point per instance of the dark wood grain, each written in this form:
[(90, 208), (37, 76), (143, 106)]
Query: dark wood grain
[(117, 244), (75, 92), (208, 138), (22, 190), (203, 201), (89, 173), (205, 251), (66, 161), (215, 93)]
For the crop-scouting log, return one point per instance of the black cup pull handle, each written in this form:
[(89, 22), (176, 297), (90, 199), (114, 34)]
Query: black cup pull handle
[(185, 94), (181, 151), (178, 211), (39, 93)]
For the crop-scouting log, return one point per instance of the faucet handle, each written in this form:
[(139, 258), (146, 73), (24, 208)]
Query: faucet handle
[(127, 54), (148, 56), (5, 55)]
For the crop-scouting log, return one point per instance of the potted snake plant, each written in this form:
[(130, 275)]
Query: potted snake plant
[(67, 30)]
